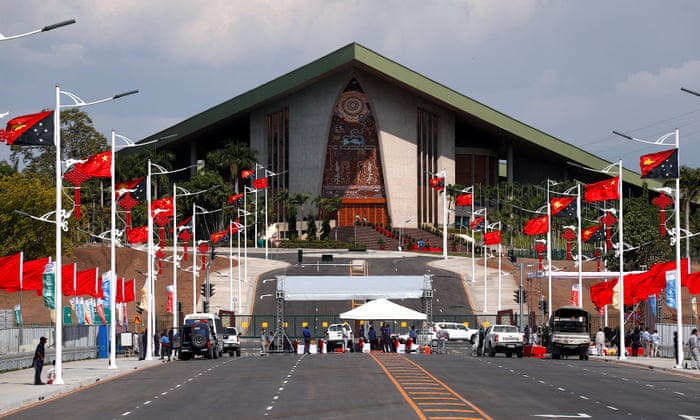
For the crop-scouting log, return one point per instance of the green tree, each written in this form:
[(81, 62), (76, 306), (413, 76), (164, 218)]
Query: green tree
[(690, 194), (327, 208), (34, 195), (6, 169), (311, 230), (231, 159)]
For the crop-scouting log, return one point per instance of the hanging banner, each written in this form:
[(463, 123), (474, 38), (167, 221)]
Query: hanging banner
[(574, 294), (671, 289), (49, 283), (18, 315), (652, 304), (171, 290), (106, 290)]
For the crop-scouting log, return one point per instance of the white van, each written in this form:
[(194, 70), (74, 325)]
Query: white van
[(215, 322)]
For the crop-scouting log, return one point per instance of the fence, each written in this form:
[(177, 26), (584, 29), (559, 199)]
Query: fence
[(25, 339)]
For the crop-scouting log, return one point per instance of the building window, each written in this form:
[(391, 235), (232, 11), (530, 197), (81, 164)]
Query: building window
[(277, 133), (427, 166)]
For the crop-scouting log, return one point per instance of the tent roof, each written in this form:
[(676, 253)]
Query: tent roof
[(382, 309), (302, 288)]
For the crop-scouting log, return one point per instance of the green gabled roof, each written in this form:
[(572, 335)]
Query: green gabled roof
[(355, 55)]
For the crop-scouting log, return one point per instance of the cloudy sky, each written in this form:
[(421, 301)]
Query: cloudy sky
[(576, 70)]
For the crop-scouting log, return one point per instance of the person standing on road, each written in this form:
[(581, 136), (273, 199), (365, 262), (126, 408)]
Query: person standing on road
[(164, 345), (372, 337), (694, 349), (38, 361), (263, 341), (156, 344), (675, 346), (655, 343), (635, 339), (413, 336), (307, 339), (442, 341), (600, 342), (646, 342)]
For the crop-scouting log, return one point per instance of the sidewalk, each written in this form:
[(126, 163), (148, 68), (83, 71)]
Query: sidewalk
[(18, 390)]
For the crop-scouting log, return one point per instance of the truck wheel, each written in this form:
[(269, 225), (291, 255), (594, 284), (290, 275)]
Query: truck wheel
[(238, 352), (210, 353), (492, 352), (520, 354)]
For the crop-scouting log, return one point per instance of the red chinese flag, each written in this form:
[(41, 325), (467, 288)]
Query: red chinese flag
[(602, 293), (29, 130), (247, 173), (10, 272), (537, 226), (693, 283), (606, 189), (97, 166), (660, 165), (32, 274), (464, 200), (638, 287), (88, 283), (68, 279), (260, 183), (164, 207), (137, 235), (130, 291), (492, 238), (659, 270), (216, 237)]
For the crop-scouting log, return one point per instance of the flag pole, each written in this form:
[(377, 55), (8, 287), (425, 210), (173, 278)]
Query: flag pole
[(621, 245), (58, 287), (679, 301), (579, 245), (549, 253)]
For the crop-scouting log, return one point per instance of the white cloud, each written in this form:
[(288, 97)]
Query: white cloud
[(667, 80)]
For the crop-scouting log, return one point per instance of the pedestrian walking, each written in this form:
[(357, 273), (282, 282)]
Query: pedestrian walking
[(143, 342), (38, 361), (694, 348), (156, 344), (307, 340), (372, 337), (646, 342), (413, 336), (636, 340)]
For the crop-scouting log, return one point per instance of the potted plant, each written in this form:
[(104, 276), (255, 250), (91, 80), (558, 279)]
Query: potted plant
[(381, 243)]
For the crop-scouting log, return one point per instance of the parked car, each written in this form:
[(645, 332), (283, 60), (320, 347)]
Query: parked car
[(339, 335), (198, 338), (503, 339), (457, 331), (231, 341)]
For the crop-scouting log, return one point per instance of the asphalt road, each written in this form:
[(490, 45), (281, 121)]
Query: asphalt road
[(354, 385)]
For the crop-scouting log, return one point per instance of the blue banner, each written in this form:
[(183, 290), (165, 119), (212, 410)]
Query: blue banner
[(652, 303), (671, 289)]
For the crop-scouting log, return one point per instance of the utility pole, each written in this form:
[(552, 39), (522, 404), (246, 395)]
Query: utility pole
[(522, 296)]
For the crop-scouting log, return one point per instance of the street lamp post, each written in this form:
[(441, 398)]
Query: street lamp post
[(61, 222), (150, 280), (675, 135)]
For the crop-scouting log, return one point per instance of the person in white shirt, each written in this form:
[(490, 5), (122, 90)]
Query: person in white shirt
[(655, 344), (600, 342)]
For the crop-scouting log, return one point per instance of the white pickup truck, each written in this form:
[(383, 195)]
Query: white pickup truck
[(339, 335), (502, 339)]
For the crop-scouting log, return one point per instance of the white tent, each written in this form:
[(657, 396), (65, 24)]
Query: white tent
[(382, 309)]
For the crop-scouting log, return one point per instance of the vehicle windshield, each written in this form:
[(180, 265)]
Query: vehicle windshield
[(230, 330)]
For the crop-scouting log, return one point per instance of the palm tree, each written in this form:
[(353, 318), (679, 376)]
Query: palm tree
[(232, 158), (327, 208)]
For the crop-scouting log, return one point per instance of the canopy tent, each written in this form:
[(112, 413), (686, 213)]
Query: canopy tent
[(382, 309)]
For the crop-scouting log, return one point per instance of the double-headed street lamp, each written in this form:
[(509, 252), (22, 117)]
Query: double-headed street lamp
[(676, 233), (149, 281), (61, 217)]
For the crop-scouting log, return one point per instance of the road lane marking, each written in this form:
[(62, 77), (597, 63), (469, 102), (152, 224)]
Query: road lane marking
[(429, 397)]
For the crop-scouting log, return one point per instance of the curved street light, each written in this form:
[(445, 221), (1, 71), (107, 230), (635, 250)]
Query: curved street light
[(36, 31), (61, 216)]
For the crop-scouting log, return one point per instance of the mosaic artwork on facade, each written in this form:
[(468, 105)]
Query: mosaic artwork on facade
[(353, 166)]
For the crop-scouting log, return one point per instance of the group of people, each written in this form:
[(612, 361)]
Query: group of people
[(647, 341), (165, 344)]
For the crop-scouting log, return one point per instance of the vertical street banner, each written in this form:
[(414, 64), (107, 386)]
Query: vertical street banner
[(18, 315), (671, 289), (171, 290), (574, 294), (49, 285)]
